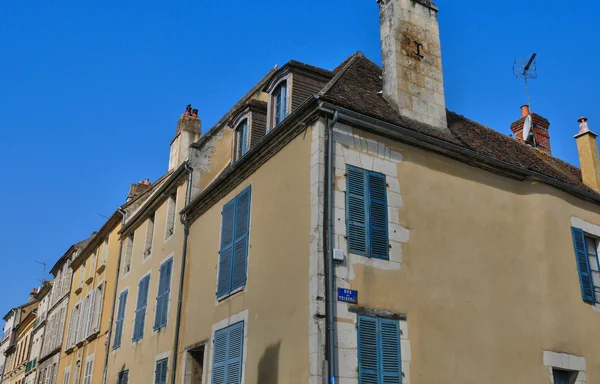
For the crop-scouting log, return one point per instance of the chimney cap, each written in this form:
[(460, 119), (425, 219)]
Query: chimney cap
[(582, 119)]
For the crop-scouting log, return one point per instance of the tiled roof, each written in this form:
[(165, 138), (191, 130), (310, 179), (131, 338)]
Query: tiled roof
[(358, 85)]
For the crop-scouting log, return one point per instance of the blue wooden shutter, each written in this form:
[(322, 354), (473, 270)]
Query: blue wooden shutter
[(166, 292), (123, 377), (220, 356), (356, 210), (560, 377), (120, 319), (283, 101), (226, 253), (140, 311), (160, 372), (235, 349), (583, 265), (391, 364), (159, 298), (378, 222), (368, 351), (240, 254)]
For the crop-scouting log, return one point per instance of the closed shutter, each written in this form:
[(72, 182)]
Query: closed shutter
[(140, 311), (160, 373), (164, 290), (561, 377), (583, 265), (123, 377), (242, 221), (226, 253), (356, 210), (378, 216), (379, 358), (98, 304), (228, 345), (120, 319)]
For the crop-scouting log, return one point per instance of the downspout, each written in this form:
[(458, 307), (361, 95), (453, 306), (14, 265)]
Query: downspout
[(114, 301), (186, 231), (328, 251)]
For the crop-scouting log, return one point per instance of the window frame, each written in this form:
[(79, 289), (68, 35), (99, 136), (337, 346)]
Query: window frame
[(596, 242), (171, 211), (128, 259), (149, 238), (286, 78), (242, 133)]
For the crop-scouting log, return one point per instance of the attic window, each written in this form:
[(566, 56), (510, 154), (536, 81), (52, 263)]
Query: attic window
[(241, 139), (279, 101)]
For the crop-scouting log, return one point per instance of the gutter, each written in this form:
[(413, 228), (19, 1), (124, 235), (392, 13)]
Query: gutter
[(186, 232), (328, 250), (114, 301)]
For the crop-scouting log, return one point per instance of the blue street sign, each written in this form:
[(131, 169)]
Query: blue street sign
[(348, 295)]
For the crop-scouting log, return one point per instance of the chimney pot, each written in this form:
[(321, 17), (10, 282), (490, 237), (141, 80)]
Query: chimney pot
[(583, 125), (147, 182), (525, 110), (195, 112), (188, 110)]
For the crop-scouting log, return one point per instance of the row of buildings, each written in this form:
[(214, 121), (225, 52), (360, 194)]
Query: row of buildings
[(335, 226)]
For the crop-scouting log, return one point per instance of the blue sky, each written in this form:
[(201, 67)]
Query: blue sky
[(90, 91)]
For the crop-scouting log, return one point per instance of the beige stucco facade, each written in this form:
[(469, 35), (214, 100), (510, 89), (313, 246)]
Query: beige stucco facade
[(18, 354), (92, 289)]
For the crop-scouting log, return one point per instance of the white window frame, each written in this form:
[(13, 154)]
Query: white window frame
[(234, 319), (171, 199), (88, 379), (128, 259), (148, 251), (270, 107), (246, 115)]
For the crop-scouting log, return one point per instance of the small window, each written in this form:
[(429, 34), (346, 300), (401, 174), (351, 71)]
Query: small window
[(87, 374), (140, 309), (120, 320), (228, 346), (164, 295), (279, 104), (105, 251), (97, 311), (128, 255), (171, 207), (587, 265), (379, 356), (123, 377), (241, 139), (564, 377), (160, 371), (149, 237)]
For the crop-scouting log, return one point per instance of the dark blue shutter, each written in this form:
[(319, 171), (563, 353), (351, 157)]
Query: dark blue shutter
[(159, 300), (283, 101), (356, 210), (140, 311), (391, 364), (378, 222), (583, 265), (220, 356), (240, 255), (162, 299), (120, 319), (160, 372), (561, 377), (226, 253), (368, 351), (228, 346)]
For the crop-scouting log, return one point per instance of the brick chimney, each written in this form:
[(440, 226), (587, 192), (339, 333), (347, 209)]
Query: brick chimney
[(412, 60), (540, 138), (188, 132), (589, 159)]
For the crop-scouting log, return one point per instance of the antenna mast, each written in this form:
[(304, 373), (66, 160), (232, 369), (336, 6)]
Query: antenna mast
[(44, 267), (526, 69)]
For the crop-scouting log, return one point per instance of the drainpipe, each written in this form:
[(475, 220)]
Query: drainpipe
[(114, 301), (186, 231), (328, 251)]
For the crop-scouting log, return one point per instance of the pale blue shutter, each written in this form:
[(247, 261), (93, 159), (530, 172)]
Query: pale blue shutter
[(356, 210), (120, 319), (220, 356), (140, 311), (368, 351), (240, 255), (283, 101), (168, 271), (226, 253), (160, 372), (234, 353), (391, 364), (378, 222), (583, 265), (159, 300)]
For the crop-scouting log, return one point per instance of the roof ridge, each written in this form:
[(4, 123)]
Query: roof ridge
[(346, 64)]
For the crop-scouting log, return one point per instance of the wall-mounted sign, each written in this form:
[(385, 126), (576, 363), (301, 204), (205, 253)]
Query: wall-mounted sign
[(348, 295)]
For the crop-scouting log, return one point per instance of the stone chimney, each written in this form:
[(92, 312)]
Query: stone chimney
[(33, 295), (412, 60), (588, 155), (539, 126), (137, 189), (188, 132)]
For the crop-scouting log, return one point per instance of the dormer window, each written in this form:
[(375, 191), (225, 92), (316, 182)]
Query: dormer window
[(279, 102), (241, 139)]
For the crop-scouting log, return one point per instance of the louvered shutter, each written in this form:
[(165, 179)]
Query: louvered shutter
[(391, 364), (283, 106), (167, 270), (378, 227), (234, 354), (368, 351), (160, 373), (583, 265), (123, 377), (356, 210), (140, 311), (226, 253), (159, 300), (120, 319), (242, 222), (220, 356)]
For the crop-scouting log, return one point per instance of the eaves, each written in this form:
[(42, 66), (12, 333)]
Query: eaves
[(110, 224)]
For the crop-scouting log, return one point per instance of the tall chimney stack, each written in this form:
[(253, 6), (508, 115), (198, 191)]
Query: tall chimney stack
[(412, 60), (188, 132), (538, 124), (588, 155)]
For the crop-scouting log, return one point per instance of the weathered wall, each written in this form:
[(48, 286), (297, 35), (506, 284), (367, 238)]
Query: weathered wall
[(273, 303), (212, 159), (482, 266)]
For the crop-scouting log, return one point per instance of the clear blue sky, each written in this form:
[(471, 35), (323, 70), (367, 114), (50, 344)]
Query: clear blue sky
[(90, 91)]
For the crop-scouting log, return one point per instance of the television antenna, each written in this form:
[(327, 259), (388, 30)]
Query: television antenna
[(526, 69), (44, 273)]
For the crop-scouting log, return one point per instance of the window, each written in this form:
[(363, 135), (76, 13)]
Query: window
[(563, 377), (89, 314), (228, 345), (279, 104), (149, 236), (105, 251), (82, 273), (93, 264), (87, 374), (379, 359), (120, 319), (366, 213), (97, 311), (77, 372), (123, 377), (84, 317), (128, 255), (76, 324), (171, 206), (241, 139), (164, 293), (233, 256), (160, 371), (140, 309), (67, 376), (587, 265)]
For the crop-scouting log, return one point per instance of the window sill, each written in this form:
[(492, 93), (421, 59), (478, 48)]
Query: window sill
[(78, 290), (92, 336), (79, 344), (89, 280), (231, 294), (70, 349), (101, 269)]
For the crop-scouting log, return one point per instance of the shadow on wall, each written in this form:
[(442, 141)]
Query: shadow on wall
[(269, 364)]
